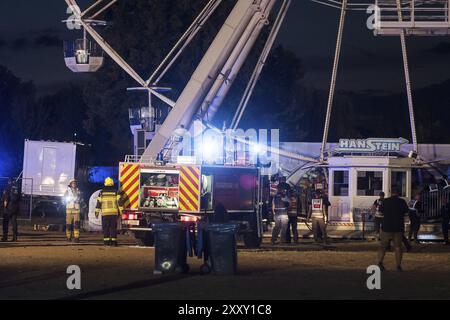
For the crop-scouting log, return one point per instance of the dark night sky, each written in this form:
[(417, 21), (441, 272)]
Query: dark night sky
[(31, 32)]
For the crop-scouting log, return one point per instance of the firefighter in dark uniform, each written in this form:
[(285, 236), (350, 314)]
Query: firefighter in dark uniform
[(109, 205), (280, 204), (378, 214), (415, 211), (446, 221), (10, 204), (293, 212), (319, 216)]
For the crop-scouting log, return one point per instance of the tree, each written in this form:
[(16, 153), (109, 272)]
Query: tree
[(54, 117), (18, 105)]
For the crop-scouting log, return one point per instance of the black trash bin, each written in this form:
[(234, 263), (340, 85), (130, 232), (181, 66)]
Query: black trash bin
[(170, 248), (222, 247)]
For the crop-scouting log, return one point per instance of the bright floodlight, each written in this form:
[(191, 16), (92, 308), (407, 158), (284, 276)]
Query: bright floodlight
[(212, 146)]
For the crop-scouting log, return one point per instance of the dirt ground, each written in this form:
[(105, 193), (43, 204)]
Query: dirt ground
[(35, 268)]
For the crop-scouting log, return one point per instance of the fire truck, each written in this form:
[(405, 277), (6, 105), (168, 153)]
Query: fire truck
[(172, 192), (153, 187)]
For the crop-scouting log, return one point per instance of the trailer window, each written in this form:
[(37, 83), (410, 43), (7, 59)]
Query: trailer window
[(340, 183), (398, 180), (370, 183)]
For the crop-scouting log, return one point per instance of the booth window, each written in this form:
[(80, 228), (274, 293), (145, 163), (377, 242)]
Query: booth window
[(398, 179), (370, 183), (340, 183)]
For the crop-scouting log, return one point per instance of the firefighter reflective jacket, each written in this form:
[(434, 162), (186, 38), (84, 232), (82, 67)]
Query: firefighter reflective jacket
[(72, 199), (108, 202)]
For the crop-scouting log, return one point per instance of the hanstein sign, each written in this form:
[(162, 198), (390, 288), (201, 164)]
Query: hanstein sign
[(371, 145)]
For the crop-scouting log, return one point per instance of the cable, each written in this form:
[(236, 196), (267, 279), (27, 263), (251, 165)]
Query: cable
[(407, 80), (333, 79), (185, 39)]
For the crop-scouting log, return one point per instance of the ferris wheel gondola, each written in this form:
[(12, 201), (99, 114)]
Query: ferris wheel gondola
[(83, 54)]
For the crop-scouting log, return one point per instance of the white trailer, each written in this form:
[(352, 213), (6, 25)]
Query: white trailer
[(48, 167)]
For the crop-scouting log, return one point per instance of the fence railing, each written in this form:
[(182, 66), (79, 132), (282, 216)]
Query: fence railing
[(414, 14), (433, 201)]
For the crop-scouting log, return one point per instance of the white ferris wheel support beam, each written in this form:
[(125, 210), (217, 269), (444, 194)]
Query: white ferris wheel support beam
[(260, 64), (333, 80), (407, 81), (235, 61), (113, 54), (103, 9), (203, 77), (85, 12)]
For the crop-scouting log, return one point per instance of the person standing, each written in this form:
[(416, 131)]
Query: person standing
[(108, 204), (280, 204), (446, 221), (394, 210), (293, 212), (415, 211), (378, 214), (319, 216), (11, 206), (73, 199)]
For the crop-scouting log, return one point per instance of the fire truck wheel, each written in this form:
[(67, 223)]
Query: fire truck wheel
[(251, 240)]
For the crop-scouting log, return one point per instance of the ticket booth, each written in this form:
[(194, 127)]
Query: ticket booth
[(356, 181)]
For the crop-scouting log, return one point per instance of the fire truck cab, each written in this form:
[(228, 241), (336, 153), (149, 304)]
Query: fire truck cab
[(176, 192)]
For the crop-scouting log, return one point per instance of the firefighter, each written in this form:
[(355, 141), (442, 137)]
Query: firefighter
[(73, 200), (319, 215), (10, 203), (415, 211), (378, 214), (280, 204), (293, 212), (109, 205)]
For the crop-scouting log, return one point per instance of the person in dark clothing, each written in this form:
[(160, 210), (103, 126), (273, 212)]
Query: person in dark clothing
[(378, 214), (10, 203), (220, 214), (109, 204), (293, 211), (280, 204), (394, 209), (446, 221), (415, 212)]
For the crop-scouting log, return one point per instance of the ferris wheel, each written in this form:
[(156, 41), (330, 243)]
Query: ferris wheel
[(399, 18)]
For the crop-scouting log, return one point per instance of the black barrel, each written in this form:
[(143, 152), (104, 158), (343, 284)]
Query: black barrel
[(222, 247), (170, 247)]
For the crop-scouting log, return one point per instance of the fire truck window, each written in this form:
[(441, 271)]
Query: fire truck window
[(340, 185), (370, 183), (398, 179), (159, 191), (206, 192)]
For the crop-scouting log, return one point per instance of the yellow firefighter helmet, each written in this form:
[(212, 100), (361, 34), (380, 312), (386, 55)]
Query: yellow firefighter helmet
[(109, 182)]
